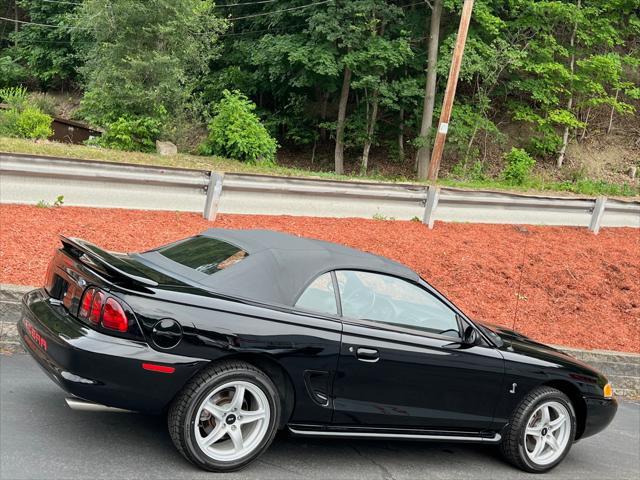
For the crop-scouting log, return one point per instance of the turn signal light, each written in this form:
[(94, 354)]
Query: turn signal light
[(96, 307), (608, 391)]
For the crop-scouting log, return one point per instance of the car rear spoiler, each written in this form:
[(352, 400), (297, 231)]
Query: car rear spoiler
[(105, 262)]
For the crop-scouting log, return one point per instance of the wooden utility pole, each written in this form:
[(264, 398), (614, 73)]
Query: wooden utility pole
[(450, 92)]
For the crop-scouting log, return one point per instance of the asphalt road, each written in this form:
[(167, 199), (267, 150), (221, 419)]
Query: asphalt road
[(40, 438)]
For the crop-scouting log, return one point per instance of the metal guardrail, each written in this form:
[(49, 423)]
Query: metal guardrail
[(29, 178)]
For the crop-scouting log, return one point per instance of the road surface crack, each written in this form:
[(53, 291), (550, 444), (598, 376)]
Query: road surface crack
[(387, 475)]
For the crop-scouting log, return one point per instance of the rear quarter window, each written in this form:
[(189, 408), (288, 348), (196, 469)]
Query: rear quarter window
[(204, 254)]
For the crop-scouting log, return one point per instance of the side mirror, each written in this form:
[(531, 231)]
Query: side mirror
[(470, 336)]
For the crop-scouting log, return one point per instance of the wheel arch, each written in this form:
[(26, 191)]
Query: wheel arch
[(278, 375), (577, 400)]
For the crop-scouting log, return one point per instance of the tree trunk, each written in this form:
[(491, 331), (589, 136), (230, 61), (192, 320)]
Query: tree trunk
[(323, 115), (613, 108), (572, 66), (15, 24), (371, 127), (401, 135), (342, 113), (586, 123), (313, 150), (424, 152)]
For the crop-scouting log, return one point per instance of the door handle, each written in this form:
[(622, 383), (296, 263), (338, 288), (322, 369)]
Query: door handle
[(367, 355)]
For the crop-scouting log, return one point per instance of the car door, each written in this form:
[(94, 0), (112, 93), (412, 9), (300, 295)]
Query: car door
[(401, 361)]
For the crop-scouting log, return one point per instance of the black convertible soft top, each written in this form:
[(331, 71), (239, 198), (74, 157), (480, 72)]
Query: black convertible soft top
[(278, 267)]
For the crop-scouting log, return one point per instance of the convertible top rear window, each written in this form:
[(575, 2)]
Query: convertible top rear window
[(204, 254)]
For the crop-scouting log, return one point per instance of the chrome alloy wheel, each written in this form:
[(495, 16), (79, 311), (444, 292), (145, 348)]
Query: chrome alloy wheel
[(232, 421), (547, 433)]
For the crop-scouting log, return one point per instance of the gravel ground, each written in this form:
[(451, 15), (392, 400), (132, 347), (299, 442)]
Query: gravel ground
[(574, 288)]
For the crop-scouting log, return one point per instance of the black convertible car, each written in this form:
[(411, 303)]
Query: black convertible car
[(237, 334)]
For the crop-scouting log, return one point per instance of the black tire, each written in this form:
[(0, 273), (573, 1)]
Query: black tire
[(513, 442), (181, 417)]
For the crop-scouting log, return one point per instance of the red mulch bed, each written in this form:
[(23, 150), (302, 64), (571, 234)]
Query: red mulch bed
[(578, 289)]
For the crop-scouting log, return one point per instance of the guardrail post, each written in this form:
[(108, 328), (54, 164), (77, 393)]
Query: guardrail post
[(214, 190), (433, 194), (598, 212)]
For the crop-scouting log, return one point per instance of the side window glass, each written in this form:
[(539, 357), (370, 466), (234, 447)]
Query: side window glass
[(387, 299), (319, 296)]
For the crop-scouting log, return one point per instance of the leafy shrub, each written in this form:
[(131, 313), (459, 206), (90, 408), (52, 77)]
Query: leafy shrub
[(32, 123), (131, 134), (235, 131), (545, 145), (474, 172), (22, 119), (8, 120), (519, 165)]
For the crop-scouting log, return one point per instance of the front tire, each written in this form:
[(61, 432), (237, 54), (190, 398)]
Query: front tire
[(225, 417), (541, 431)]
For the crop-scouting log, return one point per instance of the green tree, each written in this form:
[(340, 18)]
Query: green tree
[(145, 58), (43, 45)]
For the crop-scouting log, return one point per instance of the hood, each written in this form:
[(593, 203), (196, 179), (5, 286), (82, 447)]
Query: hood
[(516, 342)]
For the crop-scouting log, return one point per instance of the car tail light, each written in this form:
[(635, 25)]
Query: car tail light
[(113, 316), (96, 307), (85, 303)]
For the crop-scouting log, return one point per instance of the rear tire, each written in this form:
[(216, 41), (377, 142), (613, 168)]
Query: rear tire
[(541, 431), (225, 417)]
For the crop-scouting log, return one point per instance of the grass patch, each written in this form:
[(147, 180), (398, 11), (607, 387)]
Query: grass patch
[(590, 188), (55, 149)]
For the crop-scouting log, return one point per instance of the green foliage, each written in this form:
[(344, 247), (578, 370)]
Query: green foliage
[(44, 102), (382, 217), (32, 123), (597, 187), (14, 97), (159, 69), (546, 141), (144, 57), (47, 54), (22, 119), (519, 166), (58, 202), (474, 172), (235, 131), (8, 122), (131, 134), (11, 72)]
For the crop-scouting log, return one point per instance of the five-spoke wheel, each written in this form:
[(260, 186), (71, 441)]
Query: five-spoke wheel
[(541, 430), (547, 433), (232, 420), (226, 417)]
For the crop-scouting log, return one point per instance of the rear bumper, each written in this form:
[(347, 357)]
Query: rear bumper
[(600, 413), (98, 367)]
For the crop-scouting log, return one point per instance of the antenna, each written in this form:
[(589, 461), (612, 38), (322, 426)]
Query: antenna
[(525, 232)]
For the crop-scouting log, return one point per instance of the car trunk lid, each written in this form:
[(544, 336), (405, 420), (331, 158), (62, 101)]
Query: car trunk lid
[(80, 264)]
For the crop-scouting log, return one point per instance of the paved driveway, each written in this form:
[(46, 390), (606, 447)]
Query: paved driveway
[(40, 438)]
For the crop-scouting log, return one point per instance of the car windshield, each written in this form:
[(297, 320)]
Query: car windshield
[(204, 254)]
